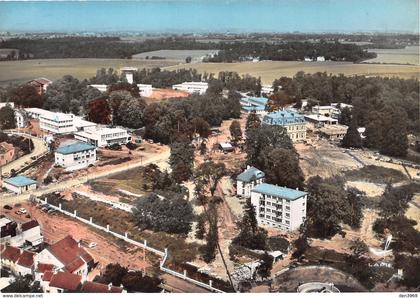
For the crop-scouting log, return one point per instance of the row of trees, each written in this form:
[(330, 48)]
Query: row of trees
[(290, 51), (7, 118)]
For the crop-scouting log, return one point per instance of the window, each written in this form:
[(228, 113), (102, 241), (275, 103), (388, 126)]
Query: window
[(287, 222)]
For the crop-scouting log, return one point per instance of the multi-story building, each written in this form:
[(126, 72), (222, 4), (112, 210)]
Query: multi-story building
[(279, 207), (267, 89), (75, 156), (40, 84), (293, 122), (328, 111), (192, 87), (146, 90), (56, 123), (247, 180), (103, 136), (20, 118)]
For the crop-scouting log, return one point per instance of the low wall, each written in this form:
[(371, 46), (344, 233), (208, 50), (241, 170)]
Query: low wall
[(163, 254)]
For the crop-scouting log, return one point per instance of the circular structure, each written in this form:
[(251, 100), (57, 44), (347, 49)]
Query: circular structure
[(314, 279), (317, 287)]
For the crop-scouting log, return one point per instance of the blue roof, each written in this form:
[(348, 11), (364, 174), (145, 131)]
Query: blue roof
[(258, 100), (73, 148), (20, 181), (250, 174), (279, 191), (283, 118)]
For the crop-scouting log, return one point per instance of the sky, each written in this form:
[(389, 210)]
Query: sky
[(239, 16)]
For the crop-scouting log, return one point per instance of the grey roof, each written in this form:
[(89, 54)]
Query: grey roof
[(250, 174), (278, 191)]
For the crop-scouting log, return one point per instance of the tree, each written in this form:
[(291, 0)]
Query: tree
[(264, 270), (326, 208), (203, 148), (395, 142), (250, 235), (374, 130), (7, 118), (200, 126), (394, 202), (235, 132), (99, 111), (164, 213), (188, 59), (252, 122), (212, 237), (282, 168), (181, 161), (354, 211), (131, 113), (136, 281), (209, 174), (352, 137), (27, 96), (114, 274), (200, 229), (411, 269), (260, 141), (345, 116), (359, 249), (22, 284)]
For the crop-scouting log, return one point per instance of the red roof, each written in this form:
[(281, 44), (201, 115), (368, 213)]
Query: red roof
[(95, 287), (76, 264), (67, 251), (40, 81), (47, 275), (26, 259), (29, 225), (66, 281), (11, 253), (44, 267)]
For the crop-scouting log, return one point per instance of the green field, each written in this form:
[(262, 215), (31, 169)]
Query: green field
[(408, 55), (271, 70), (25, 70)]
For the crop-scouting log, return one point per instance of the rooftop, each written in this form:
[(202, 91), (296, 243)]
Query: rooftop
[(66, 281), (74, 148), (20, 181), (26, 259), (11, 254), (279, 191), (29, 225), (283, 117), (250, 174), (320, 118), (67, 251)]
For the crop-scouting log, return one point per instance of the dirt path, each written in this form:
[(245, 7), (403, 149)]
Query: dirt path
[(159, 159)]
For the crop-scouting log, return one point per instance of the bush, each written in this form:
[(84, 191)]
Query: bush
[(48, 180), (115, 146), (131, 146)]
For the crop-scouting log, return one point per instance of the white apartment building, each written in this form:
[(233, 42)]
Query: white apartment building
[(10, 104), (103, 136), (192, 87), (330, 111), (75, 156), (279, 207), (57, 123), (146, 90), (20, 119), (247, 180), (267, 89)]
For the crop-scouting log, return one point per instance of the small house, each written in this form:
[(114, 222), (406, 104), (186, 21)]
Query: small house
[(19, 184), (247, 180)]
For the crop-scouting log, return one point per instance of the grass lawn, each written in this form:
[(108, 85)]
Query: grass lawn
[(375, 174)]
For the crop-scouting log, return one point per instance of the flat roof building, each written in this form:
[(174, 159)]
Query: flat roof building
[(192, 87), (19, 184), (280, 207), (254, 104), (247, 180), (320, 119), (75, 156), (103, 136)]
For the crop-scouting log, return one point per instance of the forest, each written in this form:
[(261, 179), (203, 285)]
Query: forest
[(113, 47)]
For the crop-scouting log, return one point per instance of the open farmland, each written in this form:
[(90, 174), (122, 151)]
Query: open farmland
[(408, 55), (271, 70), (179, 55), (25, 70)]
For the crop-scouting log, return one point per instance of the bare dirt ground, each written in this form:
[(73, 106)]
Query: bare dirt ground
[(365, 233), (323, 159), (370, 189), (159, 94), (413, 211), (108, 249)]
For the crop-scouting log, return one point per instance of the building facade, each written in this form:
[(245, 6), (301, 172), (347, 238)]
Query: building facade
[(279, 207), (75, 156), (254, 104), (247, 180), (293, 122), (103, 136), (56, 123), (19, 184), (192, 87), (7, 153)]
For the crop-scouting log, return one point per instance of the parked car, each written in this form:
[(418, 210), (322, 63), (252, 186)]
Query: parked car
[(23, 211), (8, 207)]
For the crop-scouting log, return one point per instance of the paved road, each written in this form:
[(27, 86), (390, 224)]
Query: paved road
[(39, 149), (10, 199)]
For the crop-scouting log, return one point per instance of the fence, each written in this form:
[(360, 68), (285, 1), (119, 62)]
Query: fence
[(163, 254), (117, 205)]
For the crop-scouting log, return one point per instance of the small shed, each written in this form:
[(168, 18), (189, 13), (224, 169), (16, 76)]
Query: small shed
[(19, 184), (226, 147)]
